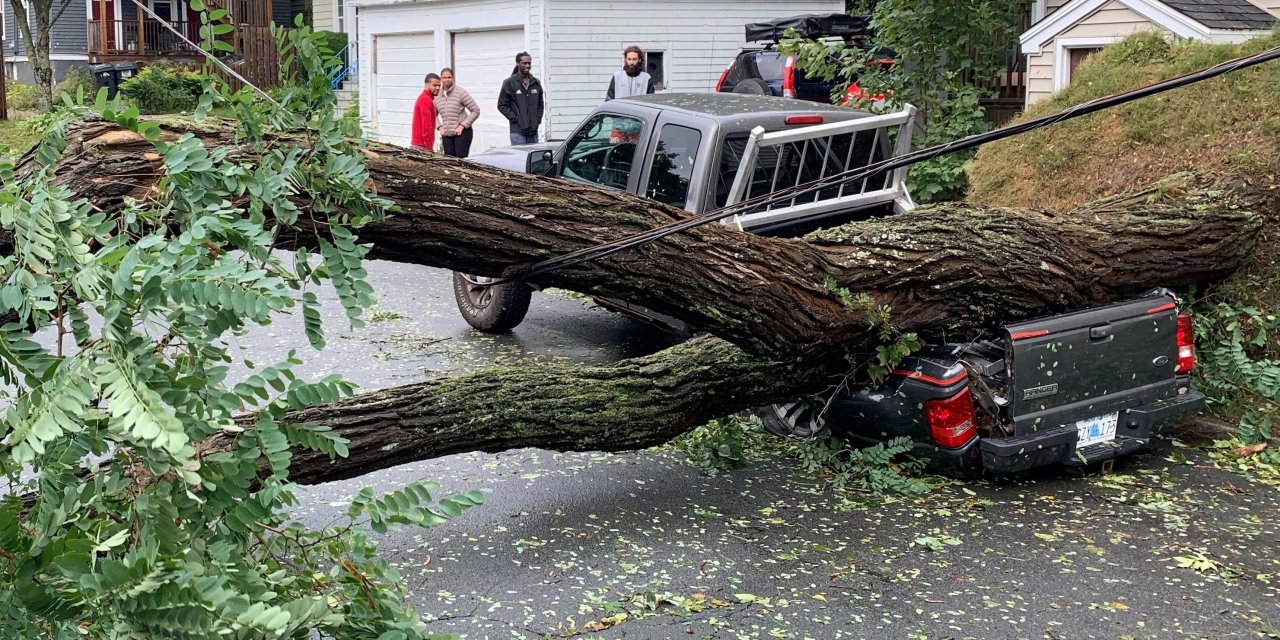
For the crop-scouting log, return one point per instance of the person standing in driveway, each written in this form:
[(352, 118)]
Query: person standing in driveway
[(632, 79), (521, 101), (458, 112), (422, 135)]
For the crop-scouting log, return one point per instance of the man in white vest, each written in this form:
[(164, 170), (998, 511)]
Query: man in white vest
[(631, 80)]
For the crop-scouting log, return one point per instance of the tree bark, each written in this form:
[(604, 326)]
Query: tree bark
[(634, 404), (775, 304)]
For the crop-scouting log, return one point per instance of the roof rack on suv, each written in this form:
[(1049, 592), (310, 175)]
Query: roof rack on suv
[(811, 26)]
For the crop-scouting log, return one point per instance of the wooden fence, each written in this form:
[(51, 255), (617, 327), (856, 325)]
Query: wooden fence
[(255, 57)]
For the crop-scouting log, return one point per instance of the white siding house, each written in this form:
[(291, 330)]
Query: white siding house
[(576, 46), (1071, 30)]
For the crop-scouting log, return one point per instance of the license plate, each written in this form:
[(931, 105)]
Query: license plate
[(1095, 430)]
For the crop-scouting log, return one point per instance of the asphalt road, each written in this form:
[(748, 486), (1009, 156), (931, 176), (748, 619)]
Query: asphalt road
[(640, 545)]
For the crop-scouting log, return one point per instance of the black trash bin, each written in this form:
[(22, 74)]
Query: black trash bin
[(105, 75), (124, 71)]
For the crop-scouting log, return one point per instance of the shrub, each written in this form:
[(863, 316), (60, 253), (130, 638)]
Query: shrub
[(163, 88), (21, 96), (76, 78)]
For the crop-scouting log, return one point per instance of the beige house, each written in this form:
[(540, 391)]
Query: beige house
[(1066, 31)]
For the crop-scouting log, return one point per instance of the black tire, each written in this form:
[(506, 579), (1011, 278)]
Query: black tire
[(752, 86), (491, 309), (797, 420)]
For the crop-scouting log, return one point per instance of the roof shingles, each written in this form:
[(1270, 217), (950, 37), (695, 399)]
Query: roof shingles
[(1236, 15)]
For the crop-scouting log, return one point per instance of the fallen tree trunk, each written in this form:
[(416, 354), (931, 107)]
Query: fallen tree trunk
[(782, 304), (956, 267)]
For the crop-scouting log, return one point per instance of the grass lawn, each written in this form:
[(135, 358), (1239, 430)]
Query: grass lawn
[(14, 137)]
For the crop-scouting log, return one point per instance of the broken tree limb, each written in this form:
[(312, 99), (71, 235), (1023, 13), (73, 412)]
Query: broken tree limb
[(955, 267), (633, 404)]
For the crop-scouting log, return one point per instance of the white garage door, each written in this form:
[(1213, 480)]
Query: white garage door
[(402, 62), (481, 61)]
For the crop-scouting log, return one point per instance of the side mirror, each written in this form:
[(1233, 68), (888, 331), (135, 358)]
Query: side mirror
[(541, 163)]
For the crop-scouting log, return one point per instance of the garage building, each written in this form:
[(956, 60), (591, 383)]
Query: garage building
[(576, 46)]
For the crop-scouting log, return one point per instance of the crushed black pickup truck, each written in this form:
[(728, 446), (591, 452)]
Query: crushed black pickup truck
[(1074, 389)]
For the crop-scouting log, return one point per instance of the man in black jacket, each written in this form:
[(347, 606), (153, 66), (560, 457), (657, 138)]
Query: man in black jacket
[(521, 101)]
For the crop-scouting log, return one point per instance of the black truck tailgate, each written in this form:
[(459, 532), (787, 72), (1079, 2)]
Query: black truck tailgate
[(1090, 365)]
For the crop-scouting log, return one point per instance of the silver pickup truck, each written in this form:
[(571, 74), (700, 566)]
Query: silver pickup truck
[(703, 151)]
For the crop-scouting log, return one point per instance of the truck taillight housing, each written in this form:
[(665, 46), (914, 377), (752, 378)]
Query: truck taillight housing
[(1186, 345), (723, 75), (789, 78), (951, 421)]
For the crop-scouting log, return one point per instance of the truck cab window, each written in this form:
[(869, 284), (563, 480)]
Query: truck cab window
[(602, 150), (672, 165)]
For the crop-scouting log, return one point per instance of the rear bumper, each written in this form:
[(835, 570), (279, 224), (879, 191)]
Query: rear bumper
[(1133, 433)]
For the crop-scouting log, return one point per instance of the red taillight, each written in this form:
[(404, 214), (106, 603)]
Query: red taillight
[(951, 421), (1186, 345), (789, 78), (810, 119), (723, 74), (1034, 333)]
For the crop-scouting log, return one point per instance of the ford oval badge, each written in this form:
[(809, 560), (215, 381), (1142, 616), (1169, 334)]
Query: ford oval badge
[(1160, 361)]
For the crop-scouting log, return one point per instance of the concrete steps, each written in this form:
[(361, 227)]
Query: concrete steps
[(347, 96)]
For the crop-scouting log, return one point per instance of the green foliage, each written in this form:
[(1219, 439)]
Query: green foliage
[(333, 42), (1238, 365), (164, 88), (352, 114), (897, 345), (947, 50), (1142, 48), (173, 537), (78, 79), (884, 468), (1262, 465), (724, 444), (21, 96)]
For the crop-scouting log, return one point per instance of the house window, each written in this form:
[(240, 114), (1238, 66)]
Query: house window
[(655, 65), (163, 9), (340, 13)]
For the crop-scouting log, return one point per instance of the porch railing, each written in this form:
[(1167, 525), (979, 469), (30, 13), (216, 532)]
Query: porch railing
[(139, 37)]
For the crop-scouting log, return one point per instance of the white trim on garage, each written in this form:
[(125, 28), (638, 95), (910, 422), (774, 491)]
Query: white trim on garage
[(1062, 55), (440, 17)]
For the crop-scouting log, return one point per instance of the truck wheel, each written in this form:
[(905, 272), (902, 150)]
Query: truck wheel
[(752, 86), (491, 308), (796, 420)]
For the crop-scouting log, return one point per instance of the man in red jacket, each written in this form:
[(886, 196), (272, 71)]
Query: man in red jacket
[(423, 137)]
